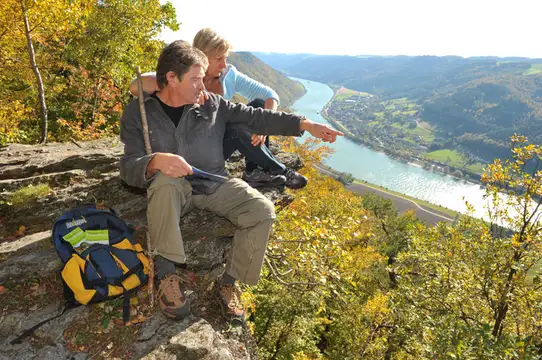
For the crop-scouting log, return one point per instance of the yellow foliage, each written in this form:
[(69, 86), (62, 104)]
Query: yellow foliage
[(323, 233), (11, 114), (376, 307), (302, 356)]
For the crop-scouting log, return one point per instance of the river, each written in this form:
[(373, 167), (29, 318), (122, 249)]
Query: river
[(380, 169)]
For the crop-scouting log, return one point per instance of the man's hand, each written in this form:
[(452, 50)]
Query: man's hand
[(320, 131), (203, 97), (171, 165), (258, 140)]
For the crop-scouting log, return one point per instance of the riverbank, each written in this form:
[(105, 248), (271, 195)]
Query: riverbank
[(399, 154)]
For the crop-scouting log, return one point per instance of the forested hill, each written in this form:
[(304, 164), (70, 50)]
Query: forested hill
[(475, 103), (288, 90)]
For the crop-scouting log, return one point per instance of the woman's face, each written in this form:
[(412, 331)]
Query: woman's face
[(217, 63)]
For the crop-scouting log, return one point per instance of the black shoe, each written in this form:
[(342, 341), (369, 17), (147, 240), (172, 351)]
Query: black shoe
[(295, 180), (259, 178)]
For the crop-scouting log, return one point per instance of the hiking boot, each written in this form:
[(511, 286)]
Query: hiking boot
[(230, 300), (259, 178), (171, 297), (295, 180)]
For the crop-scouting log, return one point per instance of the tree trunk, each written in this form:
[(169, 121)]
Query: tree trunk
[(283, 337), (265, 329), (502, 308), (41, 91), (391, 272), (95, 102)]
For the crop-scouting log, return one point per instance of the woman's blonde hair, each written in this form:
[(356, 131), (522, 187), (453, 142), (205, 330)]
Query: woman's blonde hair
[(208, 41)]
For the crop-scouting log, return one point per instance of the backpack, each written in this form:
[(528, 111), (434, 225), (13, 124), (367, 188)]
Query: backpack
[(114, 265)]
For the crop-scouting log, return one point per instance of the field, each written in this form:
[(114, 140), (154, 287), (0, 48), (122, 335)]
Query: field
[(344, 93), (534, 69), (453, 158)]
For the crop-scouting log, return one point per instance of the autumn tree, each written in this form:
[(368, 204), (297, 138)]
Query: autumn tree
[(473, 290), (322, 279), (85, 52)]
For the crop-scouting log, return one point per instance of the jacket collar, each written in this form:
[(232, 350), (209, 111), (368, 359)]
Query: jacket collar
[(148, 97), (190, 107)]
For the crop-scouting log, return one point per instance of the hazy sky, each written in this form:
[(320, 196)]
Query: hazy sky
[(375, 27)]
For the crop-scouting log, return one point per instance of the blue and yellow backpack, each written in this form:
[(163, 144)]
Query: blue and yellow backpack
[(112, 265)]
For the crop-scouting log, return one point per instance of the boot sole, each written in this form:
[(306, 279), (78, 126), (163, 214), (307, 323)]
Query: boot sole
[(274, 183)]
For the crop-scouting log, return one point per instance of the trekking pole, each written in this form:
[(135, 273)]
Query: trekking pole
[(148, 150)]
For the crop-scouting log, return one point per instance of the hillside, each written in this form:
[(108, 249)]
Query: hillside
[(289, 91), (475, 104), (337, 264)]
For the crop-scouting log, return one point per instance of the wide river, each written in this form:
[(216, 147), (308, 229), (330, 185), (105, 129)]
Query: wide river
[(379, 169)]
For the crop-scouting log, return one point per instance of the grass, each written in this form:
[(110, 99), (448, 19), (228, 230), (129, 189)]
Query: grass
[(344, 93), (448, 156), (29, 193), (476, 167), (426, 134), (453, 158), (534, 69), (450, 213)]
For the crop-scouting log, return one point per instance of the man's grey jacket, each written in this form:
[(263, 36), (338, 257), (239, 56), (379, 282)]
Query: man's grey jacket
[(198, 137)]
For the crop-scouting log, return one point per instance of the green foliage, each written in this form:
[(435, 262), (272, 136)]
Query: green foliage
[(346, 277), (29, 193), (466, 291), (346, 178), (319, 271)]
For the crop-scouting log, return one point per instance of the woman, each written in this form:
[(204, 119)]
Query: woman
[(262, 168)]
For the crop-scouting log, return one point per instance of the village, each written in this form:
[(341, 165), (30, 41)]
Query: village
[(395, 127)]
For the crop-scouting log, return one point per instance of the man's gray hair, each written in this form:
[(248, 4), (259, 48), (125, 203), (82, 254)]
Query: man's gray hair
[(178, 57)]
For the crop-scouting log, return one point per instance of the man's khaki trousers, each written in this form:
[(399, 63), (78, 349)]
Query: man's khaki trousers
[(245, 207)]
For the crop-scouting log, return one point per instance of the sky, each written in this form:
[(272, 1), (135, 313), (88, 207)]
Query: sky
[(376, 27)]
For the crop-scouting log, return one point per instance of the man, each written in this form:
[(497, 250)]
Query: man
[(262, 168), (184, 134)]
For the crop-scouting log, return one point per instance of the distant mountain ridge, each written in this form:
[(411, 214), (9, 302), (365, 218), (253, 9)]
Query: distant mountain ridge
[(288, 90), (476, 103)]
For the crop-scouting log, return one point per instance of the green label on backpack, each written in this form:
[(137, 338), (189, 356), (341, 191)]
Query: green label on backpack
[(101, 236), (75, 237)]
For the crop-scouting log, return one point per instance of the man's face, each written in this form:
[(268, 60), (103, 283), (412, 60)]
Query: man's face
[(217, 63), (191, 85)]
